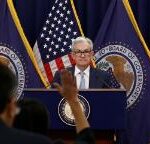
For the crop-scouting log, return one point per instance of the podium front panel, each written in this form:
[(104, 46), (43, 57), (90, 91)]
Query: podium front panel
[(106, 108)]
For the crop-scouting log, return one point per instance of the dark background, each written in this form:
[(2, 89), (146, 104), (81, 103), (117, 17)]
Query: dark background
[(33, 13)]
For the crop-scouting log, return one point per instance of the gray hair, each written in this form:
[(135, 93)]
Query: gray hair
[(81, 39)]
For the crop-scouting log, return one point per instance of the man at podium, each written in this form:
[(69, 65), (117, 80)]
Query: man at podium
[(87, 76)]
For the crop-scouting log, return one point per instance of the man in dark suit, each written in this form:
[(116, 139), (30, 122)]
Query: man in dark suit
[(82, 53), (89, 77), (9, 109)]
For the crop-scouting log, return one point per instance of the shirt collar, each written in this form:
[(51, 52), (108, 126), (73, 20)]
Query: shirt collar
[(86, 71)]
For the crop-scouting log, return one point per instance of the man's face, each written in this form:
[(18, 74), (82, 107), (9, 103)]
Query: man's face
[(82, 54)]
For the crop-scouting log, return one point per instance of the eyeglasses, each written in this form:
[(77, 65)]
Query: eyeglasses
[(79, 52)]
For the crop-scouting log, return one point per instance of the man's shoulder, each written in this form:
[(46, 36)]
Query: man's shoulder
[(71, 69), (99, 71), (19, 136), (107, 77), (33, 137)]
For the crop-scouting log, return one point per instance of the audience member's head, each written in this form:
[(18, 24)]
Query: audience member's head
[(8, 85), (32, 117)]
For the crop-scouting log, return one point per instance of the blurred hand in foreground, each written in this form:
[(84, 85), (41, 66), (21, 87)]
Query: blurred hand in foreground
[(68, 89)]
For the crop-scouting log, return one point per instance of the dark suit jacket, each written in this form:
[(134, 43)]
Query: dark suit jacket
[(14, 136), (98, 78)]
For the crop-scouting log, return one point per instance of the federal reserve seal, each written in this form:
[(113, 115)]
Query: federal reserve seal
[(126, 66), (10, 58), (65, 112)]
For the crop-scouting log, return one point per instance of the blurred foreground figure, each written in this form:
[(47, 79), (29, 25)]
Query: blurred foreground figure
[(33, 116), (9, 109)]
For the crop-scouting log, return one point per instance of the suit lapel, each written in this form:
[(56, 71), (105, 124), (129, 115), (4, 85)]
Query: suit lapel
[(92, 79), (71, 69)]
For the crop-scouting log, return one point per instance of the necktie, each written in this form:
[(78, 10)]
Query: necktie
[(82, 82)]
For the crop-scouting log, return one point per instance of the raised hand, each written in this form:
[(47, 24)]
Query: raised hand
[(68, 89)]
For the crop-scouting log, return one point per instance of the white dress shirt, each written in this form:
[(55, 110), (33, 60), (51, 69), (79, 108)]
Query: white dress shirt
[(86, 76)]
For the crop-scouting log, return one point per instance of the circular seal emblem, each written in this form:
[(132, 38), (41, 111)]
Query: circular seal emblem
[(10, 58), (65, 113), (126, 67)]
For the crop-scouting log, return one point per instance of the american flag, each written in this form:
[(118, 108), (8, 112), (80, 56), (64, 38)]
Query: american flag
[(52, 48)]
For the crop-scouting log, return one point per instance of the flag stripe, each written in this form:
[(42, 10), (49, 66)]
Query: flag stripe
[(39, 61), (66, 61), (71, 59), (53, 66), (59, 63), (48, 72)]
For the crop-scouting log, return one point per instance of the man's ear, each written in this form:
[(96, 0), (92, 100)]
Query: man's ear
[(9, 113), (92, 53), (11, 108)]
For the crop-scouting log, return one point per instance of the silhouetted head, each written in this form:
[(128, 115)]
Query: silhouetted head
[(32, 117), (8, 87)]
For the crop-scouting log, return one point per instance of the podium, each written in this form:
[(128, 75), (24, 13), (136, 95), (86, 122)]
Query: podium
[(105, 108)]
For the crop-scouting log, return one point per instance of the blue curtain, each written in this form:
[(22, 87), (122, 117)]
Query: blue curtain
[(91, 12), (141, 11)]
